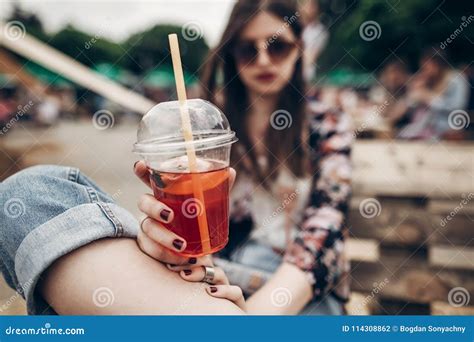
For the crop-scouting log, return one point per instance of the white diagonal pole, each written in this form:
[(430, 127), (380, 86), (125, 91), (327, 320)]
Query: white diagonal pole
[(54, 60)]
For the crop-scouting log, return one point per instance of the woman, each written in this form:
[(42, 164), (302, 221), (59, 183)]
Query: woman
[(315, 36), (434, 92), (309, 158)]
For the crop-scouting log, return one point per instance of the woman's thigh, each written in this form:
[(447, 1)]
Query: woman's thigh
[(112, 276)]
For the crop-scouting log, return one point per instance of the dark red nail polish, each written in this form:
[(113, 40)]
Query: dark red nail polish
[(192, 260), (188, 272), (165, 214), (178, 244), (213, 289)]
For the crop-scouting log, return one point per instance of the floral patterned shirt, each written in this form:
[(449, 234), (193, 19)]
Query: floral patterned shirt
[(318, 248)]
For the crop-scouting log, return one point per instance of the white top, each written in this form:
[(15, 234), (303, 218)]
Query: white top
[(276, 213)]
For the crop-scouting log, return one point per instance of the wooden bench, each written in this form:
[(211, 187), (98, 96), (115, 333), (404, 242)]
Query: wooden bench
[(418, 233)]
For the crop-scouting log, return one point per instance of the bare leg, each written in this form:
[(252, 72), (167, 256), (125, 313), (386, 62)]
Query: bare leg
[(112, 276)]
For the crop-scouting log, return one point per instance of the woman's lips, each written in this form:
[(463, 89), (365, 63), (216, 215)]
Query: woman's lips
[(266, 77)]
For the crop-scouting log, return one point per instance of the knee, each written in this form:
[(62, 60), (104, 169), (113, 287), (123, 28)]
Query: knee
[(32, 188), (35, 176), (41, 170)]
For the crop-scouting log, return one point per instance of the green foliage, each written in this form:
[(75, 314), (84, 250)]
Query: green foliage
[(141, 53), (31, 22), (407, 28), (86, 49), (150, 50)]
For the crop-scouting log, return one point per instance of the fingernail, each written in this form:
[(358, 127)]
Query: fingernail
[(178, 244), (213, 289), (165, 214), (134, 165), (192, 260), (188, 272), (171, 265)]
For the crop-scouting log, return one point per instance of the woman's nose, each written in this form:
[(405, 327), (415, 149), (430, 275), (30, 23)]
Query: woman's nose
[(263, 57)]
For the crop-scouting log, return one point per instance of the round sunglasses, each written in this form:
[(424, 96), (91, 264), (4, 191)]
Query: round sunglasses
[(246, 51)]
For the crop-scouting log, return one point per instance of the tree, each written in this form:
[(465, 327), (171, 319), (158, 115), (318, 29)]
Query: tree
[(404, 28), (32, 22), (85, 48), (150, 49)]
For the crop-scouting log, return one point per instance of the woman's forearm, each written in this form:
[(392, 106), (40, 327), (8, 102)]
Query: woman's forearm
[(286, 293)]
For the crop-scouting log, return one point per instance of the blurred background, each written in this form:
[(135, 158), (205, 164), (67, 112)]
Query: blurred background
[(412, 213)]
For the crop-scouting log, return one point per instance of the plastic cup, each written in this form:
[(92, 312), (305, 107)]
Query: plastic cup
[(199, 199)]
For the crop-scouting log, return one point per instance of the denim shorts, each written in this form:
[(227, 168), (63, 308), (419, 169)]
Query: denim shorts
[(45, 213)]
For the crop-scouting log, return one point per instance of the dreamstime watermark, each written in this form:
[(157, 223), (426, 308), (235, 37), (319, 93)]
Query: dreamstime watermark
[(281, 119), (374, 115), (288, 199), (459, 296), (20, 291), (281, 296), (192, 31), (457, 209), (103, 119), (192, 208), (95, 38), (377, 288), (370, 30), (21, 110), (370, 208), (103, 297), (14, 30), (116, 194), (288, 22), (458, 119), (14, 208), (45, 330), (465, 23)]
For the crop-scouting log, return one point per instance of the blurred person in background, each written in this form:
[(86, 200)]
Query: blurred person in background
[(435, 91), (48, 111), (390, 94), (315, 36), (469, 74)]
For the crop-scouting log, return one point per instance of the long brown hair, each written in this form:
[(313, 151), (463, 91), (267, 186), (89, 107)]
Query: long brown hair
[(284, 144)]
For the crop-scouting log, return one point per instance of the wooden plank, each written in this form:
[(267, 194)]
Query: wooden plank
[(408, 223), (362, 250), (402, 168), (394, 307), (442, 308), (444, 207), (371, 250), (410, 282), (451, 257), (360, 304)]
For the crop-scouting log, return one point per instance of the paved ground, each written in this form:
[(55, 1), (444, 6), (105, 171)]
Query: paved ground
[(104, 155)]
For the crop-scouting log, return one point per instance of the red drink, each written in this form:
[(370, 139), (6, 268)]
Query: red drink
[(176, 190)]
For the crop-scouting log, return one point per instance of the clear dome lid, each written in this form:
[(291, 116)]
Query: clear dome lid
[(160, 130)]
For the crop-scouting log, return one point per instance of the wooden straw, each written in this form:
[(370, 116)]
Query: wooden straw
[(188, 138)]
